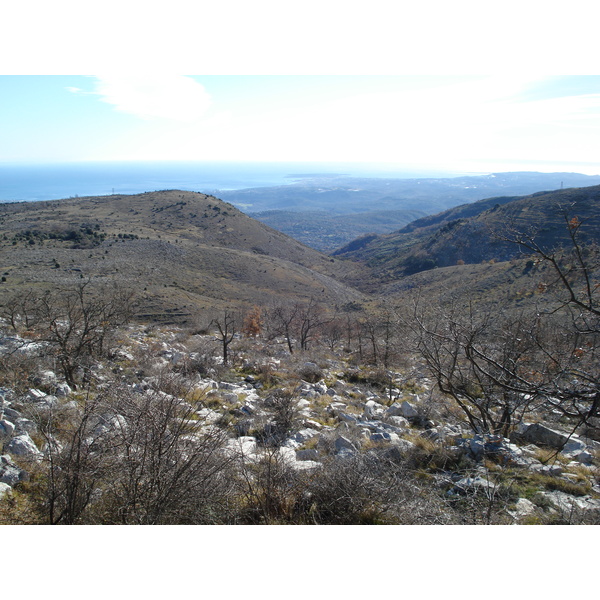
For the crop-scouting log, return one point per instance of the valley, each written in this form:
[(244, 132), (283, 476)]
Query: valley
[(168, 359)]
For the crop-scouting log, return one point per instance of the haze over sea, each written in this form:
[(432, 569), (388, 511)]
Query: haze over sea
[(31, 182)]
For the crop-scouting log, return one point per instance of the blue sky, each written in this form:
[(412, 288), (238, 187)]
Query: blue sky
[(454, 122)]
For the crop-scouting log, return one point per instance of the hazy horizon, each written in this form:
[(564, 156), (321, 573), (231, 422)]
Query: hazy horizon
[(449, 124)]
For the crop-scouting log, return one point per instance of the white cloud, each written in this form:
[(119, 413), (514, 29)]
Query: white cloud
[(173, 97)]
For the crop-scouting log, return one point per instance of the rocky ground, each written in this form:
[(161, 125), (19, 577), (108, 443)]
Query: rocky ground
[(311, 413)]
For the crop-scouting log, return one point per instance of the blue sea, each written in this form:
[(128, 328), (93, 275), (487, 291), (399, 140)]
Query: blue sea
[(31, 182)]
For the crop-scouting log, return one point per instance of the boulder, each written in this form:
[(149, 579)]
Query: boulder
[(23, 447), (522, 508), (343, 445), (541, 435), (244, 446), (372, 410), (10, 473), (385, 436), (307, 454), (473, 485), (6, 431), (301, 437), (406, 410), (566, 503), (399, 422), (399, 449), (4, 490)]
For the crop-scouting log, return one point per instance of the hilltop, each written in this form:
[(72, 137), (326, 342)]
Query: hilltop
[(181, 251)]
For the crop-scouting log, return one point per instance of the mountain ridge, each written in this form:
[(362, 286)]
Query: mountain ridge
[(477, 232)]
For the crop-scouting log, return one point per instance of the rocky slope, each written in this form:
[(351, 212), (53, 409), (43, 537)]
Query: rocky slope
[(181, 251), (310, 420), (472, 233)]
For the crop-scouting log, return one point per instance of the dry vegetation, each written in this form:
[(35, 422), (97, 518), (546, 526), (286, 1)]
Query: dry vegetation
[(282, 395)]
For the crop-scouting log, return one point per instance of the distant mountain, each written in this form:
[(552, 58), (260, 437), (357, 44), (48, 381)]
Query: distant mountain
[(339, 194), (472, 233), (180, 250), (314, 210)]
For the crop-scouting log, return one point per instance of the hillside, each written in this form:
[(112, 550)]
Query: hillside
[(328, 211), (473, 233), (179, 250)]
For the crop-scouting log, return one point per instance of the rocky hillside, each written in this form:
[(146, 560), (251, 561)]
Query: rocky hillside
[(278, 438), (179, 250), (473, 233)]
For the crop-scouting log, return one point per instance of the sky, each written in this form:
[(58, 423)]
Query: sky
[(454, 122)]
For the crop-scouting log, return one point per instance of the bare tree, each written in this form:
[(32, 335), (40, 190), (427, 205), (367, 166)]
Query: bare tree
[(487, 365), (226, 325), (500, 367), (73, 323), (280, 321)]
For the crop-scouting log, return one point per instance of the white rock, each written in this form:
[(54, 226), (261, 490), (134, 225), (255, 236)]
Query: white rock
[(7, 430), (304, 435), (344, 444), (9, 472), (372, 410), (288, 455), (523, 508), (408, 410), (566, 502), (46, 378), (23, 447), (306, 465), (399, 422), (5, 489), (243, 446)]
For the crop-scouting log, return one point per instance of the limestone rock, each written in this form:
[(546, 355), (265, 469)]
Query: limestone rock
[(307, 454), (522, 508), (10, 473), (399, 422), (5, 489), (541, 435), (6, 431), (343, 445), (372, 410), (23, 447)]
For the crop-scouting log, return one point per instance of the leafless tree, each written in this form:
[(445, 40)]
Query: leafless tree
[(227, 326), (73, 323), (498, 367)]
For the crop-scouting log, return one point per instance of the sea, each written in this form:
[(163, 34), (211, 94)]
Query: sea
[(31, 182)]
